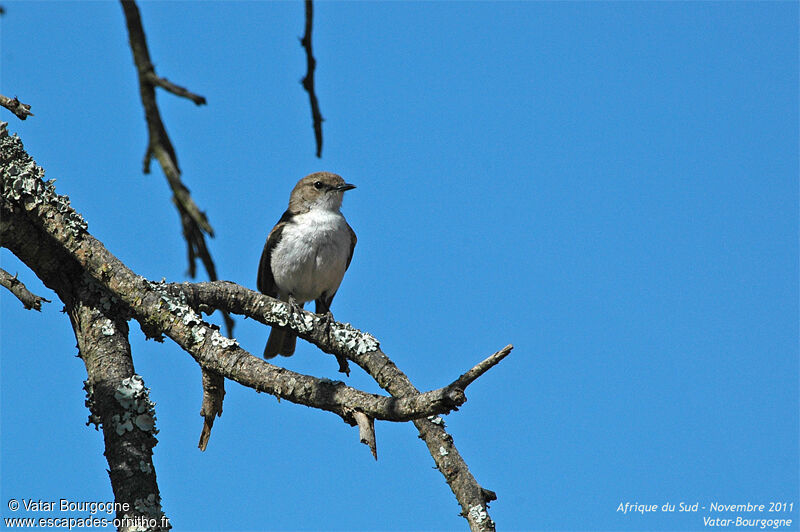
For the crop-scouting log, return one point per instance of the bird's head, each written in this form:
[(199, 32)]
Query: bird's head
[(320, 190)]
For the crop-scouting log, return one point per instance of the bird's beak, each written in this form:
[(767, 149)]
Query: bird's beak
[(346, 186)]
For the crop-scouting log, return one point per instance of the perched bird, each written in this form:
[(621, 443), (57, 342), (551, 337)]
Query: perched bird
[(307, 252)]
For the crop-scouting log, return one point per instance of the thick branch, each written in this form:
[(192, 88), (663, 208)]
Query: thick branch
[(308, 80), (362, 349), (29, 299), (116, 396), (120, 403), (160, 312), (330, 336), (22, 110)]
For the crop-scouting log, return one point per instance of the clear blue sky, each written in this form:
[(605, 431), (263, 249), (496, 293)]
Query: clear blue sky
[(611, 187)]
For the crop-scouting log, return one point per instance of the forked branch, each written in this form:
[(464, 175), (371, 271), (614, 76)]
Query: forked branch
[(194, 221), (33, 212)]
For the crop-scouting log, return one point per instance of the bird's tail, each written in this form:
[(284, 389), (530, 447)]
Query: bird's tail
[(280, 342)]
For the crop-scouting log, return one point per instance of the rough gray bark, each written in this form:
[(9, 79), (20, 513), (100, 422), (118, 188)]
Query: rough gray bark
[(119, 402)]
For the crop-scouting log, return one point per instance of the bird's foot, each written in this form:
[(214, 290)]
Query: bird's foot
[(295, 309)]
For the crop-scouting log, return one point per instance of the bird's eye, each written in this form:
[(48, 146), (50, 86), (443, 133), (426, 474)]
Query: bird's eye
[(318, 185)]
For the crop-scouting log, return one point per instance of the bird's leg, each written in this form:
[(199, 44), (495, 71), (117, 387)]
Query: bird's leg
[(327, 322)]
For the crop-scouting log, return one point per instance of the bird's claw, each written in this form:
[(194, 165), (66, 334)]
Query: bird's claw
[(295, 310), (327, 321)]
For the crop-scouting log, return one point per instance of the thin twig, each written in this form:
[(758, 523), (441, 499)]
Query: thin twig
[(308, 80), (482, 367), (22, 110), (177, 90), (29, 299)]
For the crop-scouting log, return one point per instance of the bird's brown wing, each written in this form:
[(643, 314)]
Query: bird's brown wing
[(353, 240), (266, 281)]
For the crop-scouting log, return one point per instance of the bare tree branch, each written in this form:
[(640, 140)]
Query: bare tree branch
[(330, 336), (15, 286), (194, 221), (343, 340), (469, 377), (159, 310), (473, 498), (308, 80), (363, 349), (22, 110)]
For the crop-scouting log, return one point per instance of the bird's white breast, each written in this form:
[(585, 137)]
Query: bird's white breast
[(311, 257)]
